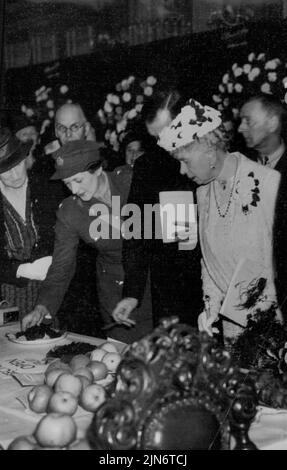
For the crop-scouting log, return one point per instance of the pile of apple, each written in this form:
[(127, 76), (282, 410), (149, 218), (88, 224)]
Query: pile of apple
[(68, 386)]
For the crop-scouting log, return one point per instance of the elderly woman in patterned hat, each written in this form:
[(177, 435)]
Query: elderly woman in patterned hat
[(88, 215), (27, 217), (236, 199)]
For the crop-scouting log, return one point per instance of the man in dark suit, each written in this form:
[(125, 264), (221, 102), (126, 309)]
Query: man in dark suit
[(262, 126), (175, 275)]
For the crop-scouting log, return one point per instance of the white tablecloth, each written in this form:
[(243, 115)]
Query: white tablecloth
[(268, 431), (14, 419)]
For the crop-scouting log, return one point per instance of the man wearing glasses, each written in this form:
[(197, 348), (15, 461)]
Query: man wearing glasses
[(71, 124)]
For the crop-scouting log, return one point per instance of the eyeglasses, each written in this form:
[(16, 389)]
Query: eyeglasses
[(73, 128)]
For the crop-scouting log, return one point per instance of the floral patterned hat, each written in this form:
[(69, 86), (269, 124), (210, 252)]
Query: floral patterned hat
[(193, 121)]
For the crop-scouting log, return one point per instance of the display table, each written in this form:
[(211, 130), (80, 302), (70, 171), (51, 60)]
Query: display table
[(14, 419), (268, 431)]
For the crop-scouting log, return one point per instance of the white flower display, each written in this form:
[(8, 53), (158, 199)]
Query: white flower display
[(272, 64), (225, 78), (272, 76), (50, 104), (148, 91), (253, 74), (116, 100), (216, 99), (259, 74), (265, 88), (107, 107), (125, 85), (230, 87), (131, 79), (110, 98), (151, 80), (238, 87), (29, 112), (123, 107), (41, 109), (238, 71), (132, 113), (64, 89), (45, 124), (127, 97), (246, 68), (121, 126)]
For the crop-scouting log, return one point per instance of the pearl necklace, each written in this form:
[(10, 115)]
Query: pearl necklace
[(224, 214)]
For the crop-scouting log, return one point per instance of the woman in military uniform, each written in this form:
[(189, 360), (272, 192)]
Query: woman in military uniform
[(80, 216)]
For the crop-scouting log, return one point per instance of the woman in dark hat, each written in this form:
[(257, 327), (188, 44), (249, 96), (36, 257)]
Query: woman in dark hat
[(27, 218), (96, 197)]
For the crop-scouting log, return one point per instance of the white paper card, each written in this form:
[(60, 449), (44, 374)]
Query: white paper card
[(176, 208)]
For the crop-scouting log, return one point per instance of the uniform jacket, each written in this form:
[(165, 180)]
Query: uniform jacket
[(73, 223)]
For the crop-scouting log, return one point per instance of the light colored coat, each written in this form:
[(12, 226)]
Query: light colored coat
[(245, 232)]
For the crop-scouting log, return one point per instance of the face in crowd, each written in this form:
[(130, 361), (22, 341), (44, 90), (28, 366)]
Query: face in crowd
[(16, 177), (195, 161), (256, 124), (133, 151), (71, 124), (85, 184)]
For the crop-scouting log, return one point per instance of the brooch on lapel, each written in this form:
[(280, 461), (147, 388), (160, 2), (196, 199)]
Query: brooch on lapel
[(253, 194)]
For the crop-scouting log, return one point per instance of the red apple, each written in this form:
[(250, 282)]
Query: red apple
[(112, 360), (99, 369), (79, 361), (23, 443), (84, 371), (63, 402), (55, 430), (92, 397), (39, 397), (52, 376), (85, 381), (97, 354), (69, 383), (109, 347)]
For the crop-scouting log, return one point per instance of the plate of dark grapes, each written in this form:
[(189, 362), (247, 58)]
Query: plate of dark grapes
[(37, 335)]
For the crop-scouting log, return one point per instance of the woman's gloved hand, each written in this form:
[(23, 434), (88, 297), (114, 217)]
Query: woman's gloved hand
[(36, 270), (186, 232), (205, 323), (35, 317), (123, 310)]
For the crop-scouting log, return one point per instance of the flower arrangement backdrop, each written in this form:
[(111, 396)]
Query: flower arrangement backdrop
[(259, 73), (122, 107)]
